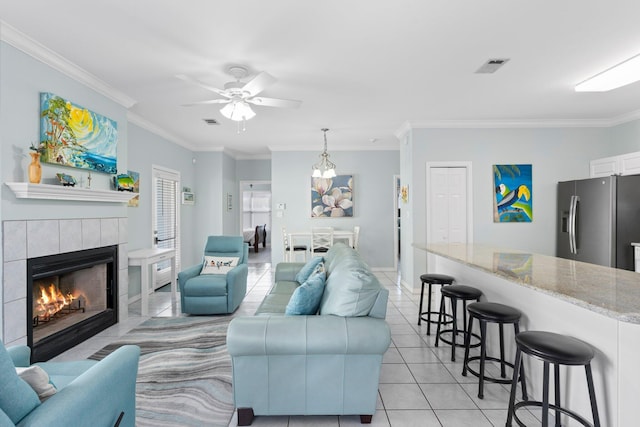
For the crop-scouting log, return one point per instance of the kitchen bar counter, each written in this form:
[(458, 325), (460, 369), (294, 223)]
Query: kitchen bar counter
[(596, 304), (608, 291)]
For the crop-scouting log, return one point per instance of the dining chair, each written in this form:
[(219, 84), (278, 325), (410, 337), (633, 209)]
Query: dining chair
[(289, 252), (356, 236), (321, 239)]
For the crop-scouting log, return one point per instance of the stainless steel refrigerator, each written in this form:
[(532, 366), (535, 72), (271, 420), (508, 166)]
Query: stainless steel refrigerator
[(598, 219)]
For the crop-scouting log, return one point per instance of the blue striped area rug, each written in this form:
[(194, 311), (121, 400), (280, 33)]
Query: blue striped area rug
[(184, 376)]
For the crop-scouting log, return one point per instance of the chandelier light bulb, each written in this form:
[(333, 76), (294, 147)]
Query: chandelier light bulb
[(325, 168)]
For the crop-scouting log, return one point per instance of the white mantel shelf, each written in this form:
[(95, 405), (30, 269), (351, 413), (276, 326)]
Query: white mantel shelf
[(26, 190)]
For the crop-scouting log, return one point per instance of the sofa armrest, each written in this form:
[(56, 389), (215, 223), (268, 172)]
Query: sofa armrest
[(236, 285), (287, 271), (302, 335), (21, 355), (188, 273), (97, 397)]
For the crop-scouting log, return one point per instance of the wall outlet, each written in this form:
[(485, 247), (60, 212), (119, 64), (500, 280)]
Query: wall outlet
[(281, 206)]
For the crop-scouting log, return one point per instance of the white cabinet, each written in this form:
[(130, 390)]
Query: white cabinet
[(604, 167), (624, 164), (636, 251), (630, 163)]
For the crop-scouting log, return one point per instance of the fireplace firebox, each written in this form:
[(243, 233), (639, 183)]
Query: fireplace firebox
[(70, 298)]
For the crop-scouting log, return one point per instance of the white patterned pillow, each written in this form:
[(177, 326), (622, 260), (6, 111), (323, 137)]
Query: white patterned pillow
[(218, 264), (38, 379)]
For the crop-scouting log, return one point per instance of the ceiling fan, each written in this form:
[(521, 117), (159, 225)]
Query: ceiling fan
[(238, 95)]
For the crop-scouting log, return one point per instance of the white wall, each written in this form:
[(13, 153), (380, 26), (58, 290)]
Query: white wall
[(230, 218), (373, 193), (253, 170), (147, 149), (209, 203), (556, 155), (22, 78)]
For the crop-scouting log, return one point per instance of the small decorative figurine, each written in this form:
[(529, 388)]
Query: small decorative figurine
[(123, 182), (66, 180)]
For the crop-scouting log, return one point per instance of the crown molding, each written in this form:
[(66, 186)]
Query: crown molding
[(157, 130), (506, 124), (379, 146), (403, 130), (45, 55), (625, 118), (254, 157)]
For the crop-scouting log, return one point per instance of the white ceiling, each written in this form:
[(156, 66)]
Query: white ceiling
[(362, 68)]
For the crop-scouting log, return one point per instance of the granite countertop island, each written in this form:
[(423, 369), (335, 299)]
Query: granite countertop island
[(599, 305), (612, 292)]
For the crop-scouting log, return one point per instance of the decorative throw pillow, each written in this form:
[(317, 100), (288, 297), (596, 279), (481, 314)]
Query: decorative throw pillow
[(306, 298), (307, 269), (218, 264), (38, 379), (17, 399), (350, 292)]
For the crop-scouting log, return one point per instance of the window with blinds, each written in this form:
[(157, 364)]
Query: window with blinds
[(166, 229)]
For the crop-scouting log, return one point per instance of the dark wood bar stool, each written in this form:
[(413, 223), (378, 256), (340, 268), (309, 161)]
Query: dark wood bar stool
[(491, 312), (431, 279), (455, 293), (558, 350)]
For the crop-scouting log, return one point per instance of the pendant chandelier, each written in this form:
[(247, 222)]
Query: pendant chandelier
[(325, 168)]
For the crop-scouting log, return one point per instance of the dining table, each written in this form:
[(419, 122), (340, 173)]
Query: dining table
[(296, 237)]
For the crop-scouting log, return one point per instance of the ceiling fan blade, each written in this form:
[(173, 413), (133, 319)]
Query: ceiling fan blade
[(202, 84), (259, 83), (210, 101), (274, 102)]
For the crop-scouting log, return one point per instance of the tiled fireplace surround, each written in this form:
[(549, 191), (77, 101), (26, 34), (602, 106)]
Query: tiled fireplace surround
[(35, 238)]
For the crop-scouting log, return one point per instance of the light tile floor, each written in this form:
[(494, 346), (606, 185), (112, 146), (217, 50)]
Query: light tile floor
[(419, 385)]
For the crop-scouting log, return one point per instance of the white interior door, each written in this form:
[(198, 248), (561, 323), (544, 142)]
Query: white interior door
[(165, 220), (447, 204)]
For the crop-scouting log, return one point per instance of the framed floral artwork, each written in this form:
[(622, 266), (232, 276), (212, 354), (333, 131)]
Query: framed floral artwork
[(71, 135), (332, 197)]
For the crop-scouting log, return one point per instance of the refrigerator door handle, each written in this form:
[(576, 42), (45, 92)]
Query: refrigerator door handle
[(573, 215)]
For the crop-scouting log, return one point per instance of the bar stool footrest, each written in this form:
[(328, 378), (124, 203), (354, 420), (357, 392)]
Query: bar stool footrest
[(506, 380), (458, 344), (435, 313), (552, 407)]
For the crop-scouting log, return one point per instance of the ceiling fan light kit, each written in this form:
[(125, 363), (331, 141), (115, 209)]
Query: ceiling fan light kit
[(617, 76), (238, 111), (325, 168), (238, 95)]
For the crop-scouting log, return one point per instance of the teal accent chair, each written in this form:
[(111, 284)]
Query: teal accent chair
[(216, 293), (89, 392)]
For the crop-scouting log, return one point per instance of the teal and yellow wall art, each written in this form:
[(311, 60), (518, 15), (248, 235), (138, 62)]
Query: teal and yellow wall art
[(513, 201), (71, 135)]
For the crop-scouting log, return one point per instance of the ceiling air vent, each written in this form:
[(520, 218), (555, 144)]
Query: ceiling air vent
[(492, 65), (211, 122)]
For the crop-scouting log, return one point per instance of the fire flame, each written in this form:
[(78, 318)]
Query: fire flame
[(52, 301)]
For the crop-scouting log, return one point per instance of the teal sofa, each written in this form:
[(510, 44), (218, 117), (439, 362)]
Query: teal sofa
[(216, 293), (324, 364), (89, 393)]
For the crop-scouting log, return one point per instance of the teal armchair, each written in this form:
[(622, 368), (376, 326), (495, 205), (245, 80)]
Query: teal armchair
[(89, 393), (216, 293)]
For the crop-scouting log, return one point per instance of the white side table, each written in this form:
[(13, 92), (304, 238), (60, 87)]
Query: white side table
[(146, 257), (636, 251)]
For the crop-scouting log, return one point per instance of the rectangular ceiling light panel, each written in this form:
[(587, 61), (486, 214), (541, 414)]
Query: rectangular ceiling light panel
[(620, 75)]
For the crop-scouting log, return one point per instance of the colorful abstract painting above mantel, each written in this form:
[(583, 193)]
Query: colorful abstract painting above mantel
[(71, 135), (332, 197), (513, 200)]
